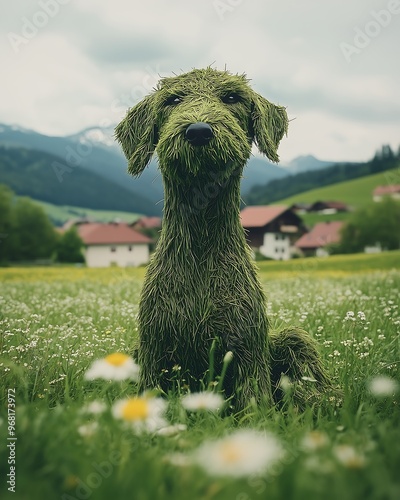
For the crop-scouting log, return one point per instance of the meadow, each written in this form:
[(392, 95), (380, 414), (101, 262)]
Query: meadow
[(55, 322)]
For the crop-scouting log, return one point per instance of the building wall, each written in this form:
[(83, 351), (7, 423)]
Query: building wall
[(394, 196), (276, 246), (119, 255)]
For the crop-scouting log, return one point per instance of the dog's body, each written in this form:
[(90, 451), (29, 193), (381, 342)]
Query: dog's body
[(201, 283)]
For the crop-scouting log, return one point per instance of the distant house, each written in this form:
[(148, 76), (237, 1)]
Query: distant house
[(113, 244), (392, 190), (147, 223), (301, 208), (320, 236), (272, 229), (328, 207)]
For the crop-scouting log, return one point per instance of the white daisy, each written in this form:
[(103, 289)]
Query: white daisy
[(94, 407), (349, 456), (199, 401), (142, 413), (314, 440), (116, 366), (383, 386), (87, 430), (243, 453)]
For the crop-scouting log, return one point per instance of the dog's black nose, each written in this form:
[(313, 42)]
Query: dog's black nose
[(199, 134)]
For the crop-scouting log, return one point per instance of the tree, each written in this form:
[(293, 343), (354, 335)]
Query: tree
[(33, 236), (69, 247), (377, 223), (6, 199)]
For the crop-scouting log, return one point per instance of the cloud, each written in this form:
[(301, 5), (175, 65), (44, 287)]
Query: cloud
[(92, 60)]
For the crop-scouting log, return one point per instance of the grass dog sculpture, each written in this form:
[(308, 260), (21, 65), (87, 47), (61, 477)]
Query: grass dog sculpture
[(201, 283)]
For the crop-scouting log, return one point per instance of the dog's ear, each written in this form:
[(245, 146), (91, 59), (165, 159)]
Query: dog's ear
[(137, 135), (270, 123)]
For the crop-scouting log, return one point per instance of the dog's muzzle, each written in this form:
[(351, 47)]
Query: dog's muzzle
[(199, 134)]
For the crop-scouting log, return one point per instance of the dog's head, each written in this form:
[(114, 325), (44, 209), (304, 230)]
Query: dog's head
[(204, 119)]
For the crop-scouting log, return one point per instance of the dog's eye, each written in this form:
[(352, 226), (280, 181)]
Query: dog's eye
[(173, 100), (231, 98)]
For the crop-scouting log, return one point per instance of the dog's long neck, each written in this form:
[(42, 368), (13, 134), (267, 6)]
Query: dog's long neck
[(204, 217)]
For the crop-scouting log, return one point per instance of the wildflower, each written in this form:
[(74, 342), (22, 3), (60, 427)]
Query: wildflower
[(199, 401), (350, 316), (243, 453), (116, 366), (382, 386), (171, 430), (228, 357), (314, 440), (143, 413), (94, 407), (349, 457), (87, 430), (285, 384)]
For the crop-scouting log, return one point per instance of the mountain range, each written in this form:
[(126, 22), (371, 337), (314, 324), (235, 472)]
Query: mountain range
[(88, 169)]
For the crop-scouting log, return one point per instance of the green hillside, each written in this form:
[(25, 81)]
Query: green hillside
[(356, 193), (51, 179), (59, 214)]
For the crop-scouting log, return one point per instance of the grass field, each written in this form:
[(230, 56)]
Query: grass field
[(59, 214), (56, 321)]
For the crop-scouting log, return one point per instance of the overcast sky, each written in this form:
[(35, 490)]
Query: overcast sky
[(334, 64)]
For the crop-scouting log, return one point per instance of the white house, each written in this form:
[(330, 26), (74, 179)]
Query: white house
[(276, 246), (392, 190), (272, 230), (113, 244)]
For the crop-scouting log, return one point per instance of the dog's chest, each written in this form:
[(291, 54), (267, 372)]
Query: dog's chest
[(215, 299)]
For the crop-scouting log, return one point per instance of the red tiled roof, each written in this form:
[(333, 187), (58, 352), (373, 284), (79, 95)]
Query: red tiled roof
[(147, 222), (112, 233), (259, 216), (382, 190), (321, 234)]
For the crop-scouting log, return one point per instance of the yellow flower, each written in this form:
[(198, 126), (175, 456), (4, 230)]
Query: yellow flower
[(141, 413), (116, 366)]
